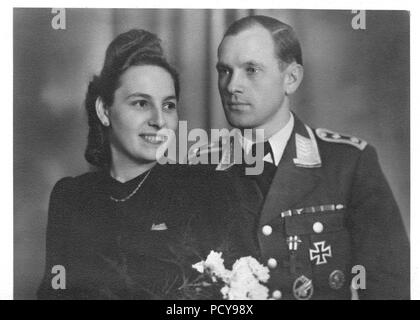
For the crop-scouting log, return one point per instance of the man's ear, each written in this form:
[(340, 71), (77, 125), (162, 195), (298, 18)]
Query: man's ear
[(102, 112), (293, 78)]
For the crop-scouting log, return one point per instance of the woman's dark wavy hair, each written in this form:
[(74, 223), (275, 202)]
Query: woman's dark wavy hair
[(133, 48)]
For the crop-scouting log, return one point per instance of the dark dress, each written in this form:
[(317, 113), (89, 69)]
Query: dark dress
[(142, 248)]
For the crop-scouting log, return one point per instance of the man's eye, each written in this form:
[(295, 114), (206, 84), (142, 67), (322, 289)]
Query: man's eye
[(223, 71), (169, 106), (251, 70)]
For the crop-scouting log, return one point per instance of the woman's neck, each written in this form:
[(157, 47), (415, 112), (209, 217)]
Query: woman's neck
[(126, 173)]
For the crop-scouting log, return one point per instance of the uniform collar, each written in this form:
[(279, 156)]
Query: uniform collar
[(300, 147), (278, 141)]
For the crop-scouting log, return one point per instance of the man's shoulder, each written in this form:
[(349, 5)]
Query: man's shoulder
[(332, 139), (341, 149)]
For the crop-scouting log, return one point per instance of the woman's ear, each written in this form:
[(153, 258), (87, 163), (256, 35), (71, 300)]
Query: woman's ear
[(102, 112), (293, 78)]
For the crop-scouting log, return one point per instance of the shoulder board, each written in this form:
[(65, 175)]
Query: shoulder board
[(331, 136)]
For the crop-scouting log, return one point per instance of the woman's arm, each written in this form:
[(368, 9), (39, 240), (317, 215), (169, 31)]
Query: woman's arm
[(54, 283)]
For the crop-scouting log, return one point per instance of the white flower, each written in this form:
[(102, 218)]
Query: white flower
[(215, 264), (245, 290), (199, 266), (258, 292), (261, 272), (225, 292), (249, 265), (243, 282)]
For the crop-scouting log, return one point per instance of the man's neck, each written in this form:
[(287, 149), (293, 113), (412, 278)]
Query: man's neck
[(270, 128)]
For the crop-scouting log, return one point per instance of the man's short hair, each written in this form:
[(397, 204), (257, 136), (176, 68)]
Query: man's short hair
[(287, 45)]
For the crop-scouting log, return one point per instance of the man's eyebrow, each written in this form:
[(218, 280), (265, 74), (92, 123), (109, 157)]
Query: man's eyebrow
[(170, 97), (244, 64), (253, 63), (221, 65)]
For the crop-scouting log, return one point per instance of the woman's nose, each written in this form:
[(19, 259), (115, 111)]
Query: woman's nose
[(157, 119)]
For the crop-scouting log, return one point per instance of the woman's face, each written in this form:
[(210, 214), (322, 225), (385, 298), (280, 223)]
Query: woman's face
[(144, 107)]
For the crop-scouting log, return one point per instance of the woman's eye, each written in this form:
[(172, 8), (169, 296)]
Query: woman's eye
[(140, 103), (169, 106)]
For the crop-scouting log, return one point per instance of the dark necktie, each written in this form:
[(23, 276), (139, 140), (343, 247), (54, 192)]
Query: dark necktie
[(264, 179)]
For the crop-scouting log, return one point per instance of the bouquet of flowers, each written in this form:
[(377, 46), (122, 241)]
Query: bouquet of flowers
[(244, 282)]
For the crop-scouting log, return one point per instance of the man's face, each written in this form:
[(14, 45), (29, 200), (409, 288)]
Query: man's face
[(251, 84)]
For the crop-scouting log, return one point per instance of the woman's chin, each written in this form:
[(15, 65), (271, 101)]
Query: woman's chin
[(151, 155), (146, 158)]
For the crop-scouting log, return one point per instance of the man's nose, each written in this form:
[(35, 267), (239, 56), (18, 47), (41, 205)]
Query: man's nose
[(234, 84), (157, 118)]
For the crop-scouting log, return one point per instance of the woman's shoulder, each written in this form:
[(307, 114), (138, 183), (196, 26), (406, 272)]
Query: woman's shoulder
[(78, 184)]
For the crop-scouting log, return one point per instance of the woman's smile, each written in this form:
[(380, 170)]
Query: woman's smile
[(153, 138)]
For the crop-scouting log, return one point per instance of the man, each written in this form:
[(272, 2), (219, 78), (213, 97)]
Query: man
[(322, 214)]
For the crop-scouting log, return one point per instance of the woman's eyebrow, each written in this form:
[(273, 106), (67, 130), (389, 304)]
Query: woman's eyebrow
[(148, 96), (139, 95)]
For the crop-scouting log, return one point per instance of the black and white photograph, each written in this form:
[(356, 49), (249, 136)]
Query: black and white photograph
[(211, 154)]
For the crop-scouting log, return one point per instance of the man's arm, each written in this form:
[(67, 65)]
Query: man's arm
[(379, 240)]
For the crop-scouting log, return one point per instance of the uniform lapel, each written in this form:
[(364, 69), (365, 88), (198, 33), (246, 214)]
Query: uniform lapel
[(250, 194), (296, 175)]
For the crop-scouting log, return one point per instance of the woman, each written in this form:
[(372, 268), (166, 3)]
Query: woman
[(132, 229)]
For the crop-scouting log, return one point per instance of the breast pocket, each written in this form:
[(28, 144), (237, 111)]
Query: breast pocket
[(325, 246)]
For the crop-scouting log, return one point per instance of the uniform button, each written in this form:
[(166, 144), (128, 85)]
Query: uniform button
[(336, 136), (267, 230), (355, 140), (277, 294), (272, 263), (318, 227), (339, 206)]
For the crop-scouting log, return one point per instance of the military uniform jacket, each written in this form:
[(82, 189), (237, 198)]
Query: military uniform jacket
[(329, 216)]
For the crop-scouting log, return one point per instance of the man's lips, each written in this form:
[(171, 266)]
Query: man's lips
[(237, 105), (154, 138)]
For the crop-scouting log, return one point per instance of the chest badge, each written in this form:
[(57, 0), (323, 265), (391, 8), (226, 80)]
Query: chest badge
[(320, 253), (303, 288), (336, 279), (159, 227)]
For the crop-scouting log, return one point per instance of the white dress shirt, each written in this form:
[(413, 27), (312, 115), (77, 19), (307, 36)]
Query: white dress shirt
[(277, 142)]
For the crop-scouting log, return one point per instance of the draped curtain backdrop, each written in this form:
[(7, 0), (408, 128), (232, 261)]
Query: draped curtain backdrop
[(356, 81)]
